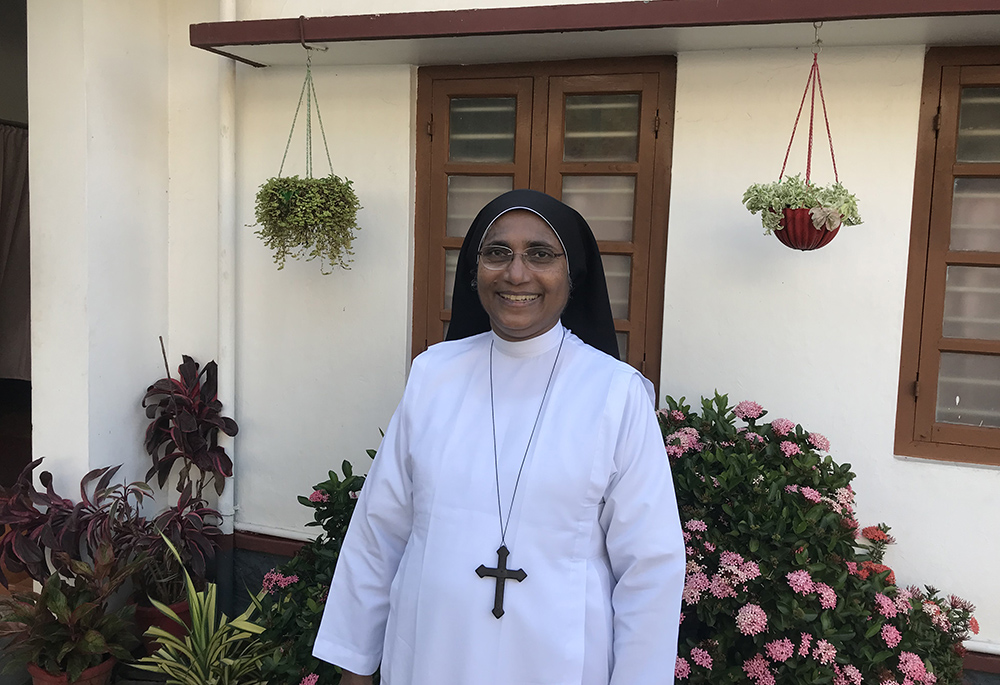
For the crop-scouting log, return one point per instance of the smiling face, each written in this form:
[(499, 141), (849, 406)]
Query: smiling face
[(520, 302)]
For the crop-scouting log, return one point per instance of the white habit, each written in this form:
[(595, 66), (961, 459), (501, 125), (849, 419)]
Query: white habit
[(594, 525)]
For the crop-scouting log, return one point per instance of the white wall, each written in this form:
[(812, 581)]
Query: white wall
[(815, 336), (321, 360), (98, 170)]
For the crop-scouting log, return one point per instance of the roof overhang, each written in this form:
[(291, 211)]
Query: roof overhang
[(598, 29)]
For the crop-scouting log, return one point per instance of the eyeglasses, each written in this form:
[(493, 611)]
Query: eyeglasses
[(499, 257)]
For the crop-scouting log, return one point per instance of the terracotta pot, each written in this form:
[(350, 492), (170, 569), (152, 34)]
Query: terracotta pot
[(800, 234), (145, 617), (96, 675)]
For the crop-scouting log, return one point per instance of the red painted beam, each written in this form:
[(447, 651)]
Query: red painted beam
[(602, 16)]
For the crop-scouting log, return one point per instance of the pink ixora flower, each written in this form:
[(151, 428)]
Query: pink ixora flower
[(757, 670), (824, 652), (701, 658), (782, 426), (677, 415), (790, 449), (891, 636), (827, 595), (319, 496), (682, 669), (886, 606), (685, 438), (811, 495), (800, 581), (694, 585), (819, 442), (751, 619), (852, 674), (696, 525), (912, 666), (720, 587), (310, 679), (748, 410), (804, 645), (780, 650)]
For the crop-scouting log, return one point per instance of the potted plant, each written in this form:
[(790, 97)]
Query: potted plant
[(308, 217), (211, 648), (802, 215), (67, 633)]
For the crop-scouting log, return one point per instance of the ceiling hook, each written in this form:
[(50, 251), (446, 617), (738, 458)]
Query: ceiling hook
[(302, 36), (817, 43)]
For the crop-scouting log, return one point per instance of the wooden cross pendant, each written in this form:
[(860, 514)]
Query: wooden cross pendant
[(501, 573)]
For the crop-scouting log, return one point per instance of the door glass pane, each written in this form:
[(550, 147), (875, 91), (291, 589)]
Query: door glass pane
[(969, 389), (975, 214), (450, 266), (618, 271), (602, 128), (606, 202), (482, 129), (622, 345), (979, 125), (972, 302), (467, 195)]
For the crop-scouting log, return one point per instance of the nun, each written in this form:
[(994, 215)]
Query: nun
[(519, 524)]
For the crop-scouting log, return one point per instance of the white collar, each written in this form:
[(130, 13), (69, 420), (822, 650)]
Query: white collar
[(532, 347)]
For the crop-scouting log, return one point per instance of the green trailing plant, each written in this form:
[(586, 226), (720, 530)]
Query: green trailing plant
[(314, 218), (215, 650), (69, 627), (829, 205), (292, 598), (781, 585)]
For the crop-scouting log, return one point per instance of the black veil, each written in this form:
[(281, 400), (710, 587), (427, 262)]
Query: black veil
[(588, 312)]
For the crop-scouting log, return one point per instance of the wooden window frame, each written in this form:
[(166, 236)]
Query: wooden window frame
[(917, 433), (428, 274)]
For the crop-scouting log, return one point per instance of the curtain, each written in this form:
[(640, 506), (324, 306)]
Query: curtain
[(15, 304)]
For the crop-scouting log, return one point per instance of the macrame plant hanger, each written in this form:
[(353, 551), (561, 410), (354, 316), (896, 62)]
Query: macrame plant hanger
[(308, 94), (800, 231)]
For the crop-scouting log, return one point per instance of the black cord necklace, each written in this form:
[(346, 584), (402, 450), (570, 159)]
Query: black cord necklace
[(501, 572)]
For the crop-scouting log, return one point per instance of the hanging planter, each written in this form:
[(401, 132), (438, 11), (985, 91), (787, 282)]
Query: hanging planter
[(310, 218), (801, 214)]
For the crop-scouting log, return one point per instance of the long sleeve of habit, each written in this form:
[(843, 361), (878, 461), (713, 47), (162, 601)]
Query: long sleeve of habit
[(357, 608), (645, 547)]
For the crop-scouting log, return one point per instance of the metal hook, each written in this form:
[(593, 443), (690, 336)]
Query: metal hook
[(817, 43), (302, 38)]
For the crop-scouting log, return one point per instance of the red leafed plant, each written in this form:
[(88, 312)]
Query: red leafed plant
[(186, 419)]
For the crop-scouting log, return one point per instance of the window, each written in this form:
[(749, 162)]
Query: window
[(596, 134), (949, 389)]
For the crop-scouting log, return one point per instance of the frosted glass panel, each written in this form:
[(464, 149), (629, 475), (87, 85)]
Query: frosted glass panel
[(969, 389), (450, 265), (606, 202), (622, 345), (972, 303), (975, 214), (467, 195), (602, 128), (979, 125), (482, 129), (618, 272)]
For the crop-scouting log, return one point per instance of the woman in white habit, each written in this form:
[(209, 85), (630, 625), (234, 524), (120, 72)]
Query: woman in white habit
[(518, 525)]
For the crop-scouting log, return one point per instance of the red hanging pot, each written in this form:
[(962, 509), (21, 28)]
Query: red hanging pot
[(96, 675), (799, 233), (145, 617)]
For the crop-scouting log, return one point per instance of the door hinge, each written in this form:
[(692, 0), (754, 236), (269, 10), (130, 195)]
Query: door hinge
[(656, 125), (916, 387), (642, 365), (430, 129), (936, 121)]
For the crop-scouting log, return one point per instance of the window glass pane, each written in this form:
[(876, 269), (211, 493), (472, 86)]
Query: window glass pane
[(622, 345), (450, 266), (979, 125), (975, 214), (969, 389), (606, 202), (618, 272), (482, 129), (972, 302), (467, 195), (602, 128)]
